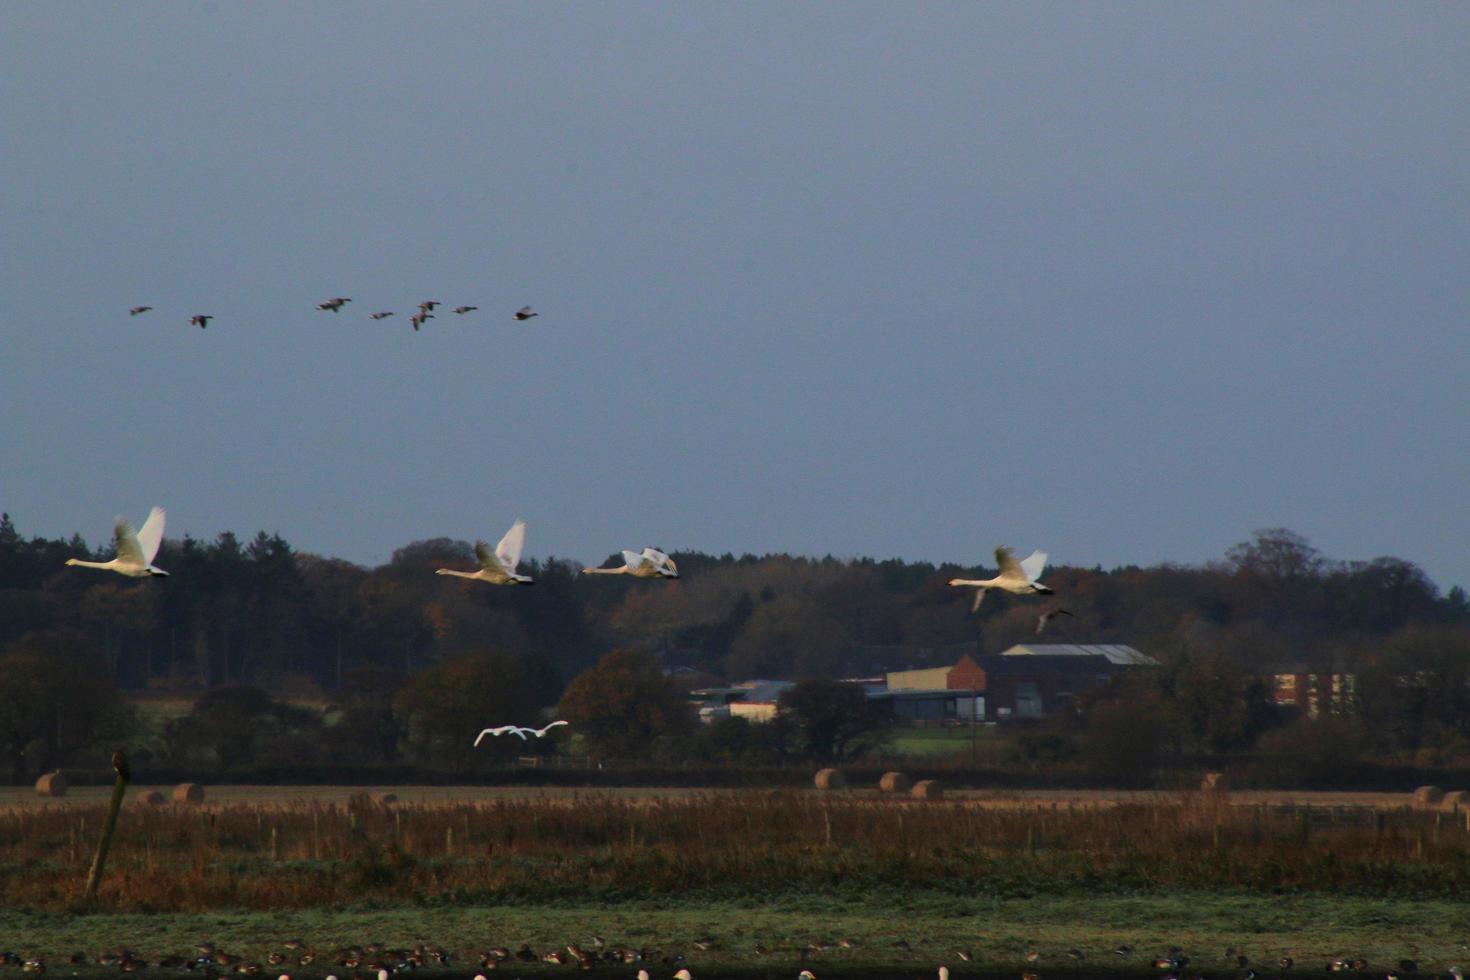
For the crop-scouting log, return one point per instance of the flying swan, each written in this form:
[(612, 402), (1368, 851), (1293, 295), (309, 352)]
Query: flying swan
[(517, 730), (651, 563), (135, 549), (1016, 577), (498, 567)]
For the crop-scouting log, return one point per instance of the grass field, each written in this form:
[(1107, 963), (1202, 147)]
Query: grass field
[(996, 874), (998, 934)]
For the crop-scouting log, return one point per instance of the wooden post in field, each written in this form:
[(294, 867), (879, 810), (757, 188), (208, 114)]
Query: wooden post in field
[(1304, 818), (119, 789), (275, 845), (449, 842)]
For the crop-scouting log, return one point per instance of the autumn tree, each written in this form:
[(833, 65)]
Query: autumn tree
[(236, 726), (56, 700), (831, 721), (788, 636), (365, 728), (443, 708), (623, 704)]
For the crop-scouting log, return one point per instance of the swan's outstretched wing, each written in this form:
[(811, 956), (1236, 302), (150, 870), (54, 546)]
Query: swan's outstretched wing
[(634, 560), (1006, 559), (541, 732), (1032, 566), (126, 540), (979, 598), (495, 731), (151, 536), (509, 548), (655, 556)]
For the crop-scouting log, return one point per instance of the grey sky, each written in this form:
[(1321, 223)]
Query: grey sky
[(1124, 281)]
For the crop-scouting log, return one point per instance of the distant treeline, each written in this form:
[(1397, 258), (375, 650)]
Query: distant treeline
[(262, 613)]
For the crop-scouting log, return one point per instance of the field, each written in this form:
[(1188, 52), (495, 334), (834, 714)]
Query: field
[(998, 875)]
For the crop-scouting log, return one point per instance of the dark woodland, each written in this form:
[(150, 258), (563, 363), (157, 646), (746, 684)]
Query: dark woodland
[(253, 629)]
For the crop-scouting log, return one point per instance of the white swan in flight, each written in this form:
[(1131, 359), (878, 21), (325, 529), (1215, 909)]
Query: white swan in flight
[(518, 730), (135, 549), (1017, 577), (498, 567), (650, 563)]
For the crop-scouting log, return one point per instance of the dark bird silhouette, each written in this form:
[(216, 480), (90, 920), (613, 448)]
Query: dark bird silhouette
[(334, 304), (524, 313), (1048, 616), (427, 306), (418, 318), (120, 763), (200, 320), (465, 309), (380, 315), (139, 309)]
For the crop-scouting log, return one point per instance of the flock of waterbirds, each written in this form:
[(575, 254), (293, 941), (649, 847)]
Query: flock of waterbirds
[(336, 303), (136, 550), (374, 961)]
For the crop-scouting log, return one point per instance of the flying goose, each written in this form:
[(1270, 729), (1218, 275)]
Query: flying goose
[(380, 315), (465, 309), (139, 309), (200, 320), (135, 549), (498, 567), (334, 304), (524, 313), (1017, 577), (1048, 616), (427, 306), (650, 563), (418, 318)]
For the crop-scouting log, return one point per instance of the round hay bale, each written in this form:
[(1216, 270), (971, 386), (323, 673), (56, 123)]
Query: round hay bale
[(1427, 796), (152, 798), (188, 793), (928, 789), (52, 784), (830, 779), (1214, 782), (385, 799), (1455, 801), (894, 782)]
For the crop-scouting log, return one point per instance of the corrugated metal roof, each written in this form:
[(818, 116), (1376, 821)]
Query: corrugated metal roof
[(1117, 653)]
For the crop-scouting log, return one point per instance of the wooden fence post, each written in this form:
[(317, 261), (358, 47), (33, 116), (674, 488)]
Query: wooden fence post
[(119, 789)]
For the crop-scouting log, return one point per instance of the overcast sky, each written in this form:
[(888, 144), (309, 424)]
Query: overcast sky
[(1125, 282)]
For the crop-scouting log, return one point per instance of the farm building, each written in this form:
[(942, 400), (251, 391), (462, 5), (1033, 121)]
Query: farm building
[(993, 686), (934, 706), (1313, 694), (1118, 654), (755, 700)]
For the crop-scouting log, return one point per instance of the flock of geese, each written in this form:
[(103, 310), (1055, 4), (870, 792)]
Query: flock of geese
[(335, 304), (377, 962)]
